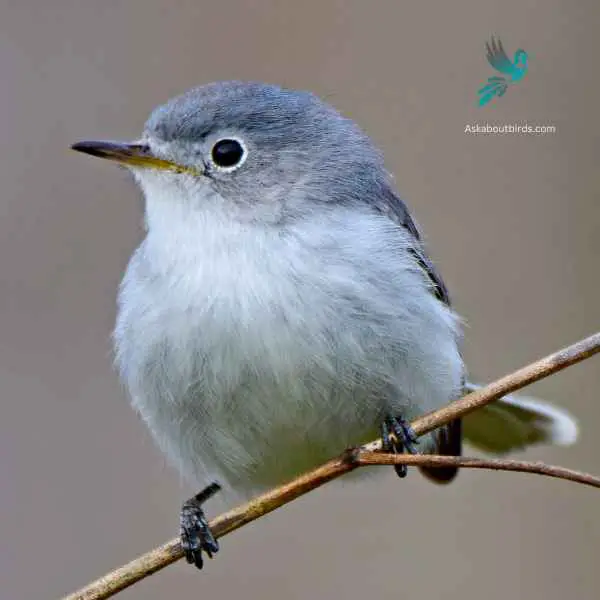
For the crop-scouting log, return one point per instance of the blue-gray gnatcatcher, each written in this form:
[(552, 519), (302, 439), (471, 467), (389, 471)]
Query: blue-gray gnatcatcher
[(282, 307)]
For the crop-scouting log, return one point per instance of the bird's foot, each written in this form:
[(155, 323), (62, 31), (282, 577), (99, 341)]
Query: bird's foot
[(398, 436), (196, 536)]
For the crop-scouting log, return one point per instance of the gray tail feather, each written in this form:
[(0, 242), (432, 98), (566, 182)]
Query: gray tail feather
[(515, 422)]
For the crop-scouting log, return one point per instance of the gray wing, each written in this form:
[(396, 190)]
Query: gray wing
[(449, 437), (497, 57), (391, 205)]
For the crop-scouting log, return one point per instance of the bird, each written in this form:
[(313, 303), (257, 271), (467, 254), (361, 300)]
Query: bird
[(282, 306), (515, 71)]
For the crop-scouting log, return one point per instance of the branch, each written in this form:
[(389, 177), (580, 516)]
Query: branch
[(170, 552), (365, 458)]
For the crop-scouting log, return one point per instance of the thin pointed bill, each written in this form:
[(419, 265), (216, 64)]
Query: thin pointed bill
[(134, 154)]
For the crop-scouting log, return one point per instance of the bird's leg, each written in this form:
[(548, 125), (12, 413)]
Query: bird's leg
[(196, 535), (398, 436)]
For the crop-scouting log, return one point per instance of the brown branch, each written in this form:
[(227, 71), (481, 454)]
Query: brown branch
[(366, 458), (170, 552)]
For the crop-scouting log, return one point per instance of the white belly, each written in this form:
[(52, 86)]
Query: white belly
[(253, 357)]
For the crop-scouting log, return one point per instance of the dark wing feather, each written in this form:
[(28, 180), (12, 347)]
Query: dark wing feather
[(497, 57), (448, 443), (448, 439), (391, 205)]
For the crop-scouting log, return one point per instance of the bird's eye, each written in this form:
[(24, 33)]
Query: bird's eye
[(228, 153)]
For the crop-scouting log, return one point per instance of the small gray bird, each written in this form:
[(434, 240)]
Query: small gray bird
[(282, 307)]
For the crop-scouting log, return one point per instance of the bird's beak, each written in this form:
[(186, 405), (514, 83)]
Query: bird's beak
[(134, 154)]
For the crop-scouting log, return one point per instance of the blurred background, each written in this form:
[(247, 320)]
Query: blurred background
[(512, 222)]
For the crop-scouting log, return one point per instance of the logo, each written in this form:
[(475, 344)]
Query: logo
[(512, 72)]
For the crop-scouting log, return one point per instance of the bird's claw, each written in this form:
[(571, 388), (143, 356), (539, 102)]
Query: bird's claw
[(196, 536), (398, 436)]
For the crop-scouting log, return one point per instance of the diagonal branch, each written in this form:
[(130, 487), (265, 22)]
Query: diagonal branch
[(170, 552)]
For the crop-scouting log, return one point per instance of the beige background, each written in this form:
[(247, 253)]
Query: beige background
[(512, 222)]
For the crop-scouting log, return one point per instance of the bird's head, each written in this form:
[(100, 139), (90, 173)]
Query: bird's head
[(265, 150), (521, 59)]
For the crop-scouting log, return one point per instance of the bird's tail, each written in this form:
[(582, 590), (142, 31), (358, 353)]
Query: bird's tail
[(515, 422), (496, 86)]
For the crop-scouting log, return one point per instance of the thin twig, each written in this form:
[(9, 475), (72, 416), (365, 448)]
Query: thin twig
[(170, 552), (365, 458)]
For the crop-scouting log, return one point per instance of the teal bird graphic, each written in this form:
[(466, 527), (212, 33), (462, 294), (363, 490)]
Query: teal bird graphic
[(513, 71)]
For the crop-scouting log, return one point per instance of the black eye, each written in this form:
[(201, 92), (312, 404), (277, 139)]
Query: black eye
[(227, 153)]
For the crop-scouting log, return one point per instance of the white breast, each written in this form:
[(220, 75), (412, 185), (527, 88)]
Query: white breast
[(253, 352)]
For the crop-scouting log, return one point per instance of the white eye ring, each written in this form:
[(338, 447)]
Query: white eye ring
[(228, 154)]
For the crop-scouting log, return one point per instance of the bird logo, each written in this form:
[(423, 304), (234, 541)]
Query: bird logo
[(512, 71)]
